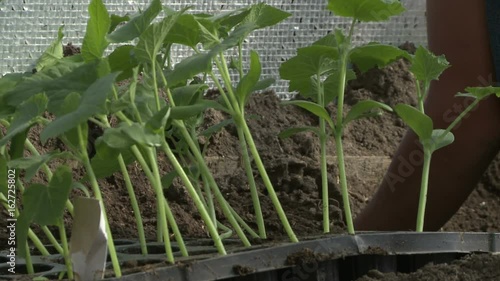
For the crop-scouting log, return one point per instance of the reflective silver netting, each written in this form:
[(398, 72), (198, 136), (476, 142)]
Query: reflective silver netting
[(28, 26)]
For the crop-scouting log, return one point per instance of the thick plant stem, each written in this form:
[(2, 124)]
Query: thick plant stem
[(343, 184), (161, 204), (240, 122), (29, 262), (135, 205), (218, 194), (268, 184), (339, 146), (423, 190), (253, 187), (323, 165), (324, 178), (64, 242), (98, 196), (212, 229)]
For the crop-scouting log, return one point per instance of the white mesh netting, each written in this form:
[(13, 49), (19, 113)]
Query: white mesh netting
[(27, 27)]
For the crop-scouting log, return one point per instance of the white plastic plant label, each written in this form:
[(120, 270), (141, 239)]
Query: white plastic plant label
[(88, 246)]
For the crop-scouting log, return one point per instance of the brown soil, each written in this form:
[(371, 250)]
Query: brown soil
[(293, 167), (472, 268)]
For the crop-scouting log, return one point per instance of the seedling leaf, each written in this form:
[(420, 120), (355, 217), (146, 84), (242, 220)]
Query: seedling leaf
[(92, 102), (185, 31), (480, 92), (53, 53), (186, 112), (115, 21), (373, 55), (309, 61), (105, 161), (25, 117), (94, 41), (217, 127), (331, 84), (34, 163), (249, 80), (137, 25), (122, 59), (43, 204), (187, 95), (264, 15), (366, 10), (426, 66), (189, 67), (263, 84), (439, 139), (420, 123), (314, 109), (151, 40), (292, 131), (364, 107)]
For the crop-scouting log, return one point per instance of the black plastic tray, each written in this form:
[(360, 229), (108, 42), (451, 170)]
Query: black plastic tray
[(334, 258)]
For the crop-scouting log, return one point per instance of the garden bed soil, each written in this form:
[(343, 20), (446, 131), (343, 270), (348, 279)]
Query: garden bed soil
[(293, 168)]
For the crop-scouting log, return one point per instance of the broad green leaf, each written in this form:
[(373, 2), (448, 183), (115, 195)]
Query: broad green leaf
[(115, 21), (43, 205), (141, 135), (151, 40), (92, 102), (53, 53), (185, 31), (309, 61), (307, 87), (17, 145), (366, 10), (373, 55), (360, 109), (122, 59), (105, 161), (94, 41), (33, 163), (7, 83), (293, 131), (72, 137), (439, 140), (3, 175), (186, 112), (480, 92), (25, 117), (156, 124), (187, 95), (426, 66), (189, 67), (168, 179), (328, 40), (57, 82), (137, 25), (314, 109), (264, 15), (115, 139), (249, 80), (124, 136), (263, 84), (216, 128), (331, 84), (420, 123)]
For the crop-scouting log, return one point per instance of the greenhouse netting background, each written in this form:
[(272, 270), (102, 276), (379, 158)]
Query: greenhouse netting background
[(27, 27)]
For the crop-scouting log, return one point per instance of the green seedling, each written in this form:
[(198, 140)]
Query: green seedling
[(425, 68), (320, 72)]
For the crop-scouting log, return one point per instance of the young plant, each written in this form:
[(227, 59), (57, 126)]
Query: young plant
[(320, 72), (425, 68)]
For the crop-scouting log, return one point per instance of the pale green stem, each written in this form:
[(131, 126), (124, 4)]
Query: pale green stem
[(98, 196), (423, 190), (66, 255)]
